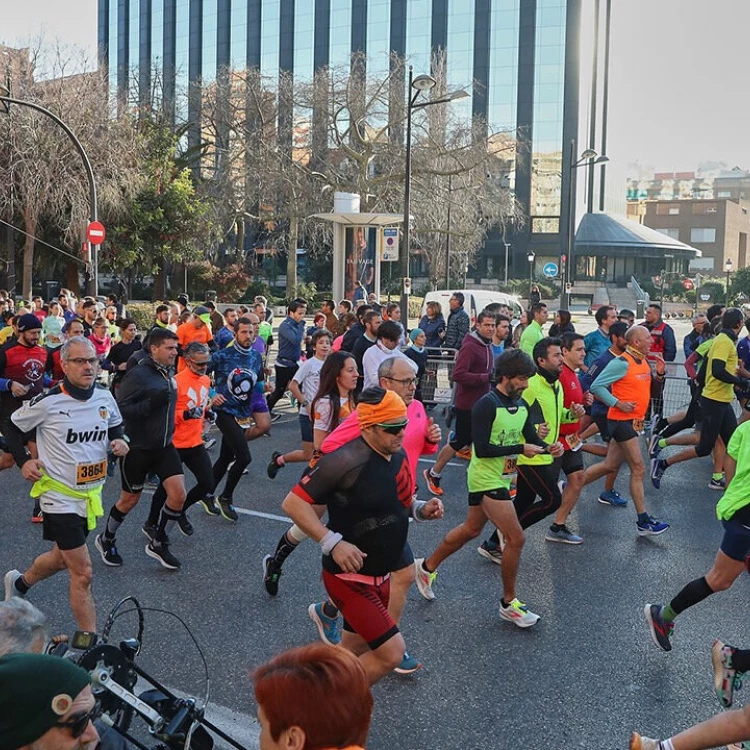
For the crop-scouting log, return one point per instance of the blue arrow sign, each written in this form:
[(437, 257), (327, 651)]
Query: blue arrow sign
[(550, 270)]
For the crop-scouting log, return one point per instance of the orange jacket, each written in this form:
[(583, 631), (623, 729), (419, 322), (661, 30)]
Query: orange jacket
[(192, 391)]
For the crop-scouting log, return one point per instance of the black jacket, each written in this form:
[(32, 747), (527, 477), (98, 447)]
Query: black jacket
[(147, 398)]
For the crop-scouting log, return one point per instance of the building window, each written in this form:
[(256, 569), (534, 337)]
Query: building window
[(702, 207), (674, 210), (672, 232), (703, 234), (667, 209), (724, 194)]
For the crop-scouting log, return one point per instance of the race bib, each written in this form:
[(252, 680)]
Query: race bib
[(573, 442), (244, 422), (638, 425), (91, 473), (509, 467)]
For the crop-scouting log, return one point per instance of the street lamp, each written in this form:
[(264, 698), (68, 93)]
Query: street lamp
[(586, 157), (531, 257), (419, 84), (728, 269)]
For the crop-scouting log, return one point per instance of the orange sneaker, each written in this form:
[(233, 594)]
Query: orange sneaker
[(433, 483)]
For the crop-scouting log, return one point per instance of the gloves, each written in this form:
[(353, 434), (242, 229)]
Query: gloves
[(195, 413)]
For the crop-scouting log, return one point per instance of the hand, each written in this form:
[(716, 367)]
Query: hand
[(542, 430), (267, 388), (588, 398), (32, 470), (119, 447), (218, 400), (626, 406), (348, 557), (18, 390), (433, 509), (578, 410), (434, 433), (661, 365), (530, 450), (122, 366), (556, 450)]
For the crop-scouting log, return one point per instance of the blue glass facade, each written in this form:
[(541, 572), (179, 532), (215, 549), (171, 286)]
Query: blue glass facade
[(519, 59)]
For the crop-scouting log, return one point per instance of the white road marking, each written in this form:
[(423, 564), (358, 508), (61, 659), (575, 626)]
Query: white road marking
[(450, 463), (260, 514)]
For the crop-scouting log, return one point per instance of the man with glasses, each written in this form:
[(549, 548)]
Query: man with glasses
[(367, 485), (46, 703), (76, 423)]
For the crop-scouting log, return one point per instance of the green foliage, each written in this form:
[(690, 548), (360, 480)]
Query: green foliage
[(308, 292), (143, 314), (255, 288), (739, 284), (229, 282)]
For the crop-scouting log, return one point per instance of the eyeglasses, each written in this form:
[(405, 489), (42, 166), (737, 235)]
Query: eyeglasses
[(407, 382), (393, 429), (79, 724), (199, 364), (84, 360)]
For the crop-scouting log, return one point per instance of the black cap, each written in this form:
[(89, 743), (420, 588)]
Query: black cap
[(184, 300), (28, 322)]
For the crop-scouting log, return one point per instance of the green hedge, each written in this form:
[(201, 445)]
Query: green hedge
[(143, 313)]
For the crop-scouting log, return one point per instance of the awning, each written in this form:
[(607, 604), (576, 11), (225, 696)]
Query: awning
[(362, 220), (607, 234)]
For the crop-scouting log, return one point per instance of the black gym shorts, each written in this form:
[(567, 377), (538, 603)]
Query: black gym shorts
[(621, 430), (139, 463), (499, 493), (67, 530)]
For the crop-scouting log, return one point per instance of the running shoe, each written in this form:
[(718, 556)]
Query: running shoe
[(488, 552), (149, 530), (717, 484), (227, 510), (653, 445), (613, 498), (424, 580), (433, 483), (658, 467), (651, 527), (271, 573), (161, 553), (108, 551), (36, 515), (183, 523), (329, 629), (408, 665), (661, 630), (209, 505), (519, 614), (726, 677), (209, 443), (10, 584), (739, 746), (643, 743), (561, 485), (275, 416), (563, 535), (152, 482), (273, 465)]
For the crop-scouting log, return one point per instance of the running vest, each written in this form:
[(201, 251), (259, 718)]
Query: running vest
[(634, 386), (507, 429)]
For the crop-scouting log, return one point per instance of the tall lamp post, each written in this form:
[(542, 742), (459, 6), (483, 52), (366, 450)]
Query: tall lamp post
[(531, 258), (418, 84), (589, 156), (728, 269)]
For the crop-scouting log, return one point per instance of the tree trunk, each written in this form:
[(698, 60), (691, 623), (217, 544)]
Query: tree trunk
[(28, 252), (71, 277), (240, 240), (291, 261)]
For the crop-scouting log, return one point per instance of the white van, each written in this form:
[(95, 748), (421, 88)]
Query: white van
[(475, 300)]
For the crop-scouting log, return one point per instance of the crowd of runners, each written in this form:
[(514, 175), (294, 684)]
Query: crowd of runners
[(81, 393)]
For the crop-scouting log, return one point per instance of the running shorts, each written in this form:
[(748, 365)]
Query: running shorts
[(499, 493), (736, 541), (67, 530), (461, 436), (602, 423), (571, 462), (406, 559), (139, 463), (305, 428), (621, 430), (364, 607)]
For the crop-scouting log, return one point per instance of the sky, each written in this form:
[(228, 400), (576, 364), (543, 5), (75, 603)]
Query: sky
[(679, 91)]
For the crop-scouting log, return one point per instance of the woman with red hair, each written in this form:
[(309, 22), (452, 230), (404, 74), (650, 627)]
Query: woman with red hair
[(316, 697)]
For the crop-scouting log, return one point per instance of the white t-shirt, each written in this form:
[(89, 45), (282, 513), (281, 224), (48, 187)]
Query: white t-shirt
[(72, 439), (373, 358), (322, 417), (308, 379)]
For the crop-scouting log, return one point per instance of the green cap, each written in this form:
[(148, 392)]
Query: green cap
[(35, 692)]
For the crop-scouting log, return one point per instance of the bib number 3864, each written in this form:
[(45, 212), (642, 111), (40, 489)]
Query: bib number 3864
[(90, 473)]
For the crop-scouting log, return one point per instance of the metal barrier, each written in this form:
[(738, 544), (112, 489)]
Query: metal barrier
[(436, 385), (676, 394)]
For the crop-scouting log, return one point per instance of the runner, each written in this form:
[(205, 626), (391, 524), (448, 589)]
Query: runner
[(76, 423), (193, 387), (290, 334), (629, 376), (147, 399), (304, 388), (503, 429), (718, 420), (366, 533), (240, 387), (197, 328), (733, 510)]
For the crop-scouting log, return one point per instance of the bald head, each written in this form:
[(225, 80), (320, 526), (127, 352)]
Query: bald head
[(639, 338)]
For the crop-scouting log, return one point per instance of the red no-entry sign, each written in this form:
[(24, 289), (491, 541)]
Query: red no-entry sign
[(95, 233)]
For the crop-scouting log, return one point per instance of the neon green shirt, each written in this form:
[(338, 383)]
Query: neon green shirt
[(265, 331), (531, 335), (737, 495), (725, 349)]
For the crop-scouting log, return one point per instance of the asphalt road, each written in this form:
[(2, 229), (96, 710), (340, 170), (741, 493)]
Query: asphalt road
[(585, 676)]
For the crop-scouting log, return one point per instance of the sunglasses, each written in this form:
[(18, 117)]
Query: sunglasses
[(78, 724), (199, 364), (393, 429)]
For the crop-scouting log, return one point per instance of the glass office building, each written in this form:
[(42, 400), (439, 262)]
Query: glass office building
[(521, 55)]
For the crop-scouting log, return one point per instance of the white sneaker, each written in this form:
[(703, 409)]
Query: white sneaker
[(643, 743), (518, 614), (10, 584), (424, 580)]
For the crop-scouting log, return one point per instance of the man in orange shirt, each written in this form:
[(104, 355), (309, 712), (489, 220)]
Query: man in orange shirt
[(193, 387), (197, 329)]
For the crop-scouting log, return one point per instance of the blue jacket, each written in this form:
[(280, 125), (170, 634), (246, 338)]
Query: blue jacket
[(431, 328), (597, 342), (238, 375), (587, 378), (457, 329), (222, 337), (290, 342)]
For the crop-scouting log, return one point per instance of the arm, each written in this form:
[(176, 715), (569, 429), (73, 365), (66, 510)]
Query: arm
[(670, 345), (730, 468), (691, 364), (461, 373), (464, 326), (613, 372), (303, 514), (133, 399), (24, 420), (719, 371)]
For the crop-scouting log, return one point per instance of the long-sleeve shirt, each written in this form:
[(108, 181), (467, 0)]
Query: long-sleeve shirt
[(530, 337), (290, 342), (596, 342), (614, 371)]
